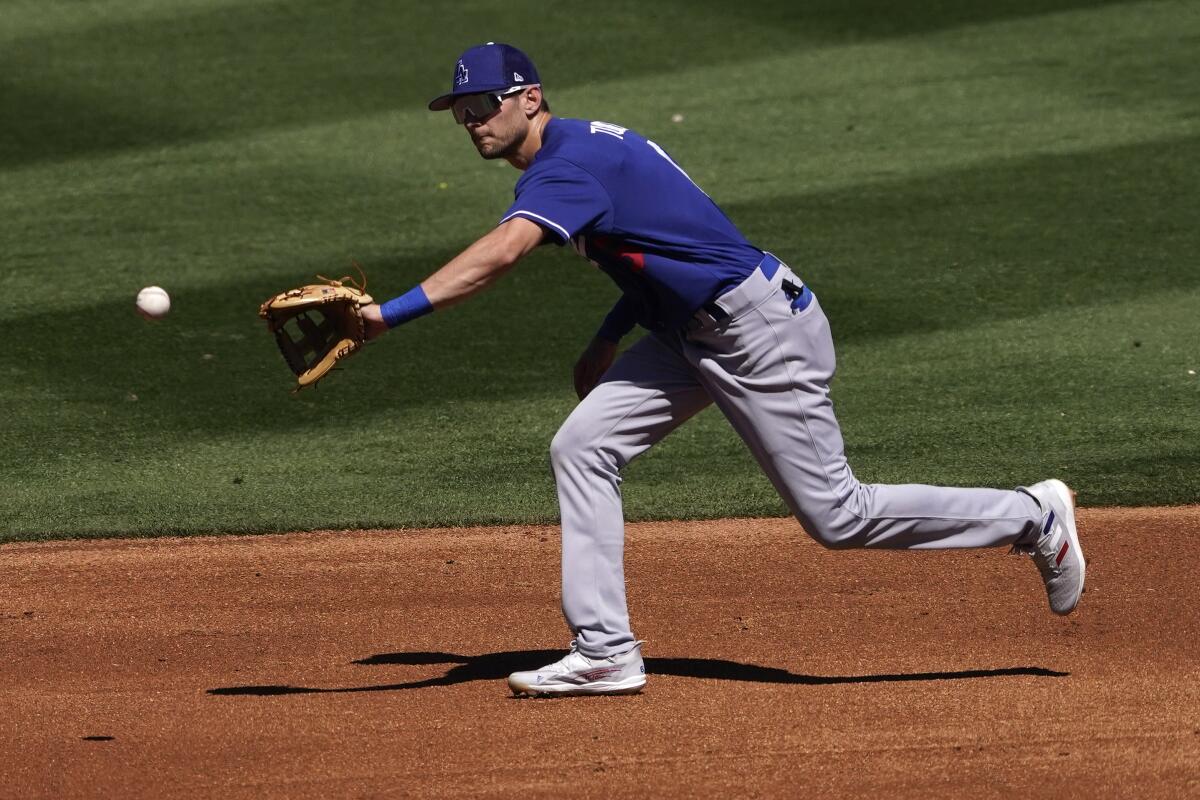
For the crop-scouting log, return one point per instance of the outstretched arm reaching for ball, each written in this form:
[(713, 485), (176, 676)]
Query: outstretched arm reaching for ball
[(468, 273)]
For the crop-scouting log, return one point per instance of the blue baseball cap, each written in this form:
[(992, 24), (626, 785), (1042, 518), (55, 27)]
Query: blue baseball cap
[(488, 67)]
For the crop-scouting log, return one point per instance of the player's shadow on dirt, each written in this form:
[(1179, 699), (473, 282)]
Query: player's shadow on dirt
[(497, 666)]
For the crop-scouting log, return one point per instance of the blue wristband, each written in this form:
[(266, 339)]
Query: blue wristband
[(406, 307)]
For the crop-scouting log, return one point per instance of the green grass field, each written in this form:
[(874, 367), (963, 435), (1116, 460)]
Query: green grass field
[(998, 208)]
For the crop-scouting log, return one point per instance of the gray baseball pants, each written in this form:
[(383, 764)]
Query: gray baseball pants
[(768, 368)]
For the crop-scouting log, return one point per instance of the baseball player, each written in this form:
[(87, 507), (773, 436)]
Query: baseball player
[(728, 324)]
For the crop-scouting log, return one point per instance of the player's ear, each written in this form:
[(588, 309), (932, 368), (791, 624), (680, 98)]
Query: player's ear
[(531, 101)]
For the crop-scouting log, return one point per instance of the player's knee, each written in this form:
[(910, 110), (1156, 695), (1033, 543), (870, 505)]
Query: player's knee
[(832, 539), (578, 446), (572, 445), (837, 542), (836, 529), (563, 447)]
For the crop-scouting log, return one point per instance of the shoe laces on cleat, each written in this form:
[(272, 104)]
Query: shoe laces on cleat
[(573, 660)]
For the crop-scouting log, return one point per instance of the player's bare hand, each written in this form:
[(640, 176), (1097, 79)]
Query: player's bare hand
[(596, 359), (373, 324)]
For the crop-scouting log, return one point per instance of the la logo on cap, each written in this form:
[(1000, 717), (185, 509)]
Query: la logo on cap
[(460, 74)]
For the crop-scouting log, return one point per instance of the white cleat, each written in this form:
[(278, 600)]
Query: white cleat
[(1057, 552), (577, 674)]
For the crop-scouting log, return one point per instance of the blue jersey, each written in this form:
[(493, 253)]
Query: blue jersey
[(625, 205)]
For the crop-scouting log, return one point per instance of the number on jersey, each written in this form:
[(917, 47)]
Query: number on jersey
[(609, 128)]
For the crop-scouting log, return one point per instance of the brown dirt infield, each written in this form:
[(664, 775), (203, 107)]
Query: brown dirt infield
[(372, 664)]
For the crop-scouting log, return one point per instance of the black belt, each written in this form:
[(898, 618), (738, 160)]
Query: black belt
[(799, 295)]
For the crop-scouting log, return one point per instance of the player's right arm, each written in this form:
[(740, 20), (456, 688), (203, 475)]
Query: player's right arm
[(467, 274)]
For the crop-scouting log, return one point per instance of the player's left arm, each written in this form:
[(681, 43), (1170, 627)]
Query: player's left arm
[(467, 274), (602, 350)]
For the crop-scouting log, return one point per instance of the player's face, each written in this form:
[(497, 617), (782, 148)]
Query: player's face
[(501, 133)]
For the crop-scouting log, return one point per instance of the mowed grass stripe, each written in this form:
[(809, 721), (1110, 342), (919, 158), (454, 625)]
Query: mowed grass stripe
[(149, 81), (47, 20), (928, 253)]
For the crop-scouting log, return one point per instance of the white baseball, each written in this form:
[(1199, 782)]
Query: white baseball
[(153, 302)]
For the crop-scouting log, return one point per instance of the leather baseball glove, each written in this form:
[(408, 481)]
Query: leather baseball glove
[(316, 326)]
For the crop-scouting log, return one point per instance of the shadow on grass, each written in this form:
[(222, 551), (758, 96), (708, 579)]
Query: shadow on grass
[(165, 79), (497, 666)]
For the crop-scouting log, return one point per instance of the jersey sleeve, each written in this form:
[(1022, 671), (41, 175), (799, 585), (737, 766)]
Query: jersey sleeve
[(561, 197)]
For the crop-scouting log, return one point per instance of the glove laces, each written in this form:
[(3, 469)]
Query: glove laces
[(347, 279)]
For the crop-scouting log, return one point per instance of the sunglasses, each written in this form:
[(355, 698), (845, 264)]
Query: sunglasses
[(478, 107)]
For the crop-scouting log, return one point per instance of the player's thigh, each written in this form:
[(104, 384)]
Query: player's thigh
[(770, 375), (648, 392)]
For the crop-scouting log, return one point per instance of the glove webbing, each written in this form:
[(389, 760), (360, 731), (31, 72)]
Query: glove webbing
[(308, 349)]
